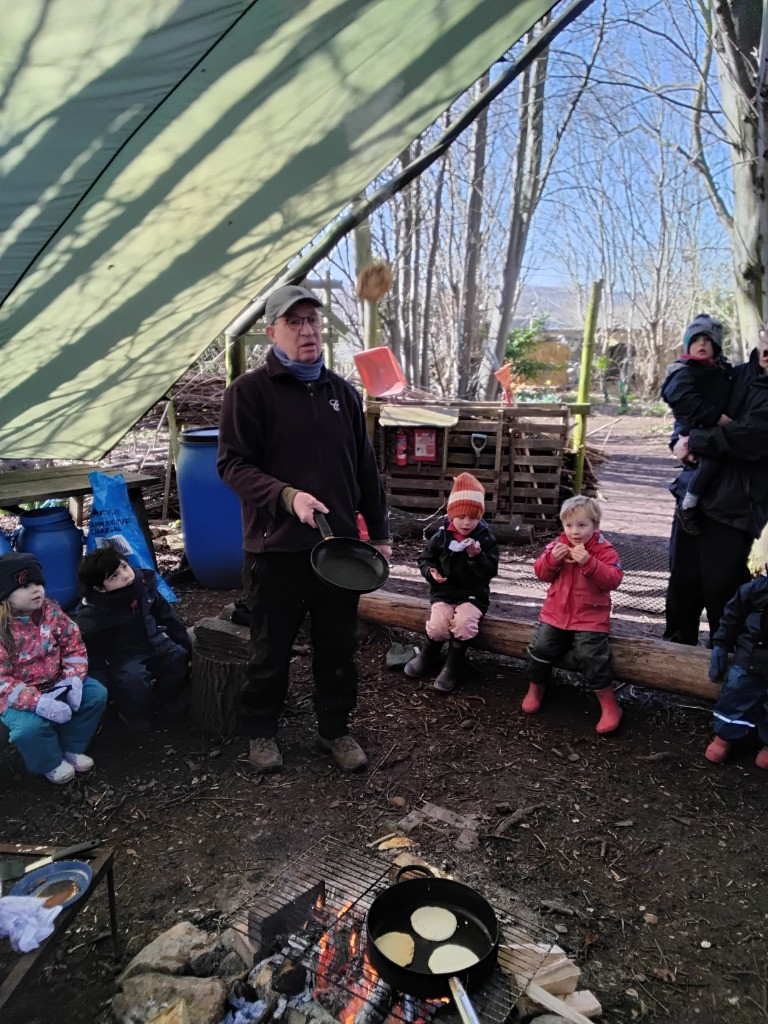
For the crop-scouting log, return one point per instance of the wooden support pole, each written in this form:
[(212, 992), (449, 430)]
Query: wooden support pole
[(585, 380), (234, 356), (655, 664), (370, 310)]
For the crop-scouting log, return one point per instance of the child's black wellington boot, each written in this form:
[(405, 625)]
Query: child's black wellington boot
[(450, 676), (426, 660)]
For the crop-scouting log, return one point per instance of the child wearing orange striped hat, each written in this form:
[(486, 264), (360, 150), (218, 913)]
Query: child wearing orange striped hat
[(459, 562)]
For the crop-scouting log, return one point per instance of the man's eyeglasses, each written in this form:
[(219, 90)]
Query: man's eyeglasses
[(295, 323)]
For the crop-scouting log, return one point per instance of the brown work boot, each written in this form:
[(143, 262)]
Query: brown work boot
[(265, 755), (346, 752)]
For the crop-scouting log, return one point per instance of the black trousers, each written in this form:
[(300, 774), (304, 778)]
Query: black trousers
[(591, 654), (704, 476), (281, 589), (140, 683), (704, 573)]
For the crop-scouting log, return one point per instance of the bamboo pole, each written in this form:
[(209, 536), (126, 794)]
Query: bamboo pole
[(585, 380), (234, 353), (364, 208), (363, 256), (655, 664)]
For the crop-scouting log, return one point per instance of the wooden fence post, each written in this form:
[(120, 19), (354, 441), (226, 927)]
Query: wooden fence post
[(585, 379)]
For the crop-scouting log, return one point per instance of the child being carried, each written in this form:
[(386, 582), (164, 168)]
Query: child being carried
[(697, 388)]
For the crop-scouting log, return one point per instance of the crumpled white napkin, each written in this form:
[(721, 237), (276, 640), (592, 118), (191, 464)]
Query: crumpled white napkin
[(460, 545), (26, 921)]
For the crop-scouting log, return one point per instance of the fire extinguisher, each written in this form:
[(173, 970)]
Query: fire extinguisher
[(401, 449)]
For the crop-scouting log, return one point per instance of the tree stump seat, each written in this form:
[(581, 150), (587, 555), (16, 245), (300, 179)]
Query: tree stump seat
[(219, 657)]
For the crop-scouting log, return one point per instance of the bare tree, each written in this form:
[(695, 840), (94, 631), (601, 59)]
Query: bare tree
[(469, 338), (529, 180)]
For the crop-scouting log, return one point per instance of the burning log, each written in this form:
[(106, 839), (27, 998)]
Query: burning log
[(378, 1004)]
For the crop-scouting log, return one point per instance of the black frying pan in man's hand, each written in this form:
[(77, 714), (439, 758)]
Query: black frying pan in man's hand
[(347, 562)]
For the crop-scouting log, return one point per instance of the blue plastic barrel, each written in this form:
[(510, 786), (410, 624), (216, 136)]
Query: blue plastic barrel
[(5, 545), (50, 535), (210, 512)]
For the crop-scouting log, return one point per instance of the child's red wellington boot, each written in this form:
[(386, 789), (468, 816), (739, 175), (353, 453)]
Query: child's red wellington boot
[(532, 700), (611, 712), (717, 751)]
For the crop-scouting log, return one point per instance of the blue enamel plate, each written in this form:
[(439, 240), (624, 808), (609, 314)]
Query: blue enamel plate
[(59, 884)]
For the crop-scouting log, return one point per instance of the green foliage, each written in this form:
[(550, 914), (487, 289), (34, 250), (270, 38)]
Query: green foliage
[(602, 366), (520, 342)]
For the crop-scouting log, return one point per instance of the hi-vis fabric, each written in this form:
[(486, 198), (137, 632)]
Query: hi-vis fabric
[(163, 160)]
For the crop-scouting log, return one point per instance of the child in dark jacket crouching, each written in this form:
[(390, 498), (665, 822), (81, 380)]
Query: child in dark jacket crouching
[(743, 702), (459, 562), (137, 645)]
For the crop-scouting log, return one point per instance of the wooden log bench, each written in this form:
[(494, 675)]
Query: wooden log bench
[(655, 664), (220, 654), (19, 486)]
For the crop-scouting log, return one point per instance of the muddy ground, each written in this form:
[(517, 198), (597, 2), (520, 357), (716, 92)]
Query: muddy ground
[(650, 862)]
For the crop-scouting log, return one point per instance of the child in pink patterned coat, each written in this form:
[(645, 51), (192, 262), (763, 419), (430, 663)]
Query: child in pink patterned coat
[(47, 702)]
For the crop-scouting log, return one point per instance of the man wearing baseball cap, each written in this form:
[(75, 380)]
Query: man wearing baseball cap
[(293, 440)]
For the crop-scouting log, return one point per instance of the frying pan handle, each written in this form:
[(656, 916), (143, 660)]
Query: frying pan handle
[(420, 869), (463, 1003), (322, 525)]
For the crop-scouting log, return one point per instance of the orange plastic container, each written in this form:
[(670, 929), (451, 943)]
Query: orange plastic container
[(379, 371)]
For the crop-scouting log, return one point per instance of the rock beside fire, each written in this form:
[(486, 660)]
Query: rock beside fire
[(176, 951), (183, 963), (144, 995)]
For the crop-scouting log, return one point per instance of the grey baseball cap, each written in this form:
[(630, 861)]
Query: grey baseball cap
[(281, 300)]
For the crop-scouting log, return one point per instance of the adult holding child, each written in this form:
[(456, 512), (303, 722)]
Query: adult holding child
[(706, 569), (293, 441)]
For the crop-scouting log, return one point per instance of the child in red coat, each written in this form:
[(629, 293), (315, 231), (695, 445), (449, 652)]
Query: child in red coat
[(583, 569)]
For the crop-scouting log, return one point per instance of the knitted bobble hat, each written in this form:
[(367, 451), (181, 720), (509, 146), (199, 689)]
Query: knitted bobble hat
[(18, 569), (704, 324), (467, 497)]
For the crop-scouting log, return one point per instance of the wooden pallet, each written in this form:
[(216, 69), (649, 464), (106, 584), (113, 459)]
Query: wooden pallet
[(519, 466)]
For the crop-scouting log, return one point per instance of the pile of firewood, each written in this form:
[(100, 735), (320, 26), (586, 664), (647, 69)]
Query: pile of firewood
[(554, 986), (593, 459)]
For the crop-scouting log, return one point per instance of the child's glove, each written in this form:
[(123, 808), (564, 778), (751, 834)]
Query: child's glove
[(718, 663), (75, 695), (52, 709)]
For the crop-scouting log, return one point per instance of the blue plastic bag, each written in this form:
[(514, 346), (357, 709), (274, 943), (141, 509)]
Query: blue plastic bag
[(113, 523)]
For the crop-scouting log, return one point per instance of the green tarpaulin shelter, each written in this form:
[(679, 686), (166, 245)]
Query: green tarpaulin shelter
[(162, 162)]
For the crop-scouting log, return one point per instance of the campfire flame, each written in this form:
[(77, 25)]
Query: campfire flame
[(344, 972)]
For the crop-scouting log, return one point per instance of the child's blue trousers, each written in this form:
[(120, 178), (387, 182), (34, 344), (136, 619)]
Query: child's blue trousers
[(42, 744), (742, 705)]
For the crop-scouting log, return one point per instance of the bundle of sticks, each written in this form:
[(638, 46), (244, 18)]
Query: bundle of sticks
[(594, 457)]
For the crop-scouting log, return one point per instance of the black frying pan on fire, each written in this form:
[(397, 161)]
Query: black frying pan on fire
[(477, 930)]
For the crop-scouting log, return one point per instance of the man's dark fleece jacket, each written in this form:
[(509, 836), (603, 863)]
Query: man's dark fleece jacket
[(467, 579), (276, 432), (132, 622)]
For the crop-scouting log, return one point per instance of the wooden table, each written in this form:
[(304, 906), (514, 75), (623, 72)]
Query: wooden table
[(25, 965), (23, 485)]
